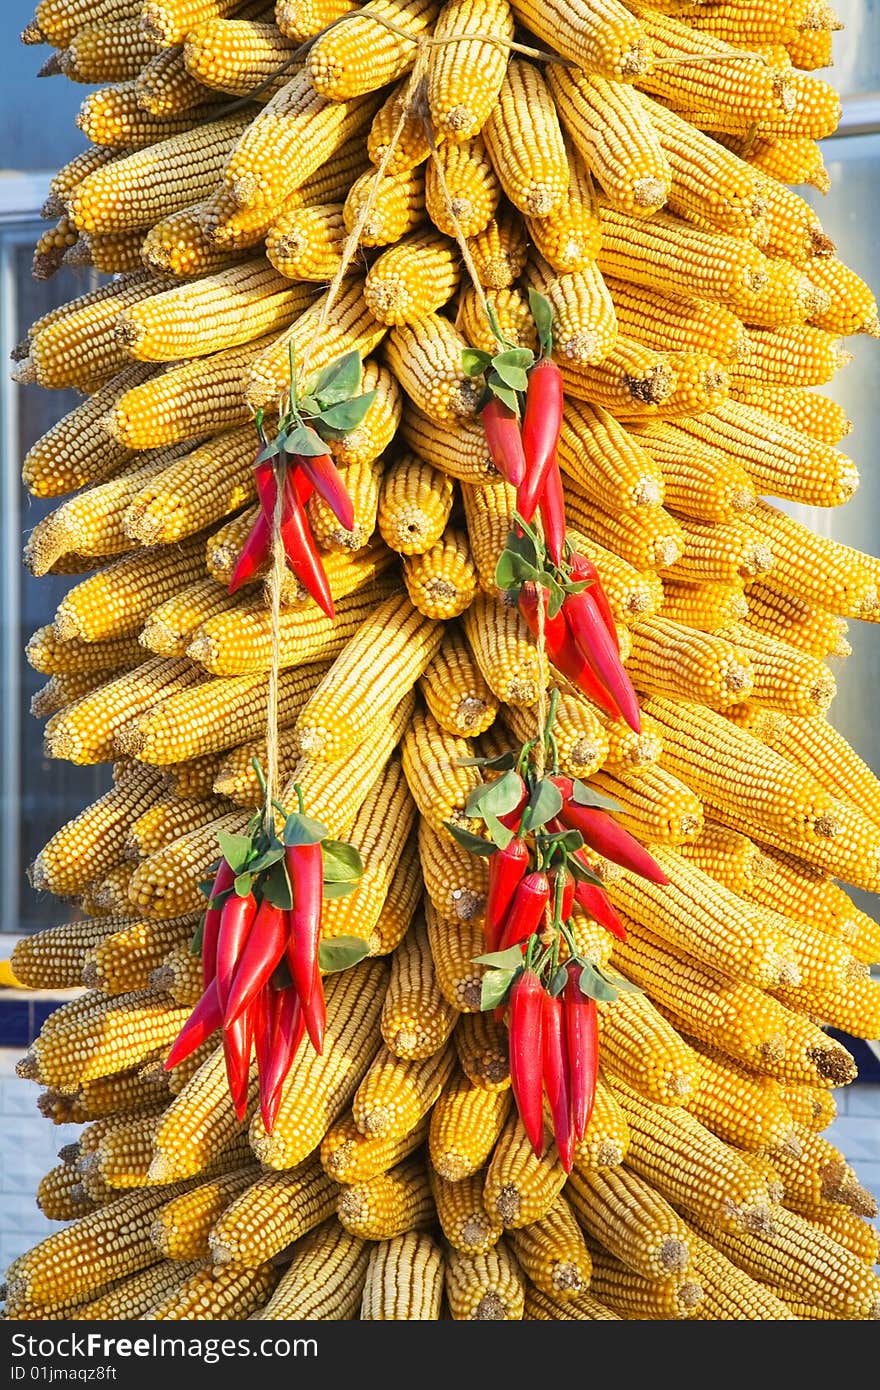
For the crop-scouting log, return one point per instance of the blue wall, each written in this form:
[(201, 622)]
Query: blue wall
[(37, 128)]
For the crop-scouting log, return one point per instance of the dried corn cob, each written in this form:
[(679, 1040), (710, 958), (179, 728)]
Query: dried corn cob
[(404, 1281), (325, 1278)]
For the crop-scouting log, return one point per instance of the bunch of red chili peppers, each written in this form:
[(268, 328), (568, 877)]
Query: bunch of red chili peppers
[(538, 829), (260, 943), (298, 460), (579, 629)]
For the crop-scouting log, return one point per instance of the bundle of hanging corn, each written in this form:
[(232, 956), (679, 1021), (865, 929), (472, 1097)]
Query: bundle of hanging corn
[(507, 1000)]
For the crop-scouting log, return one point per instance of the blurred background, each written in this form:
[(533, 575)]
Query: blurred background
[(37, 135)]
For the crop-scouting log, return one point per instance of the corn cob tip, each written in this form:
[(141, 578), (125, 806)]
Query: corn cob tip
[(24, 372), (32, 34), (26, 1068), (52, 67)]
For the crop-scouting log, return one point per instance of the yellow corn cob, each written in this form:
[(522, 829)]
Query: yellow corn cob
[(645, 539), (416, 1019), (169, 21), (801, 1262), (395, 1093), (728, 1292), (180, 974), (635, 1297), (630, 593), (462, 455), (107, 50), (193, 778), (792, 228), (485, 1288), (814, 111), (722, 552), (425, 356), (633, 1222), (121, 1158), (744, 1109), (306, 243), (398, 138), (116, 601), (607, 464), (848, 1230), (384, 209), (597, 35), (318, 1089), (239, 642), (466, 1123), (641, 1048), (505, 651), (226, 227), (403, 898), (84, 731), (707, 606), (380, 831), (352, 327), (803, 410), (797, 159), (165, 88), (272, 1213), (461, 176), (237, 56), (168, 819), (414, 505), (377, 429), (71, 174), (115, 253), (811, 49), (795, 682), (800, 556), (481, 1045), (534, 176), (816, 746), (59, 1194), (74, 1262), (214, 1293), (631, 378), (464, 1220), (851, 307), (512, 314), (186, 1070), (540, 1307), (819, 1174), (698, 480), (728, 857), (455, 691), (125, 958), (127, 1091), (362, 482), (169, 627), (455, 883), (351, 1157), (245, 302), (93, 843), (465, 75), (581, 740), (585, 327), (454, 945), (439, 784), (789, 297), (553, 1255), (389, 1204), (413, 278), (324, 1279), (708, 922), (569, 237), (701, 384), (613, 133), (198, 1125), (404, 1281), (668, 659), (165, 885), (178, 244), (520, 1186), (79, 348), (120, 1031), (291, 137), (180, 1229), (441, 582), (362, 55), (663, 321), (113, 116), (738, 1019), (499, 251)]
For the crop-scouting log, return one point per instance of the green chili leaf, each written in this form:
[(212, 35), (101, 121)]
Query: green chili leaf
[(502, 761), (304, 440), (276, 887), (558, 980), (195, 946), (243, 884), (300, 829), (474, 362), (618, 982), (545, 802), (340, 419), (542, 313), (593, 985), (511, 959), (504, 393), (341, 952), (237, 850), (338, 890), (342, 862), (494, 988), (582, 795), (339, 381), (498, 833), (474, 844), (582, 873), (269, 450), (499, 796), (514, 378)]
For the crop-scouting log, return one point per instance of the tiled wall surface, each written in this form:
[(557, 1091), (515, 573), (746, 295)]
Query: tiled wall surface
[(29, 1144)]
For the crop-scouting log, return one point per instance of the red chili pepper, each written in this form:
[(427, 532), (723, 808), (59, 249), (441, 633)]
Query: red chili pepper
[(254, 554), (506, 869), (235, 924), (297, 539), (540, 432), (205, 1019), (602, 833), (315, 1013), (552, 505), (591, 635), (223, 880), (289, 1029), (237, 1044), (596, 903), (262, 952), (305, 869), (562, 648), (567, 903), (502, 431), (265, 1025), (557, 1082), (527, 909), (581, 569), (582, 1051), (525, 1036), (328, 482)]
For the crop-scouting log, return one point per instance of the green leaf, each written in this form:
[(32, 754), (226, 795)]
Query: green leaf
[(302, 830), (499, 797), (338, 382), (338, 890), (513, 359), (545, 802), (206, 887), (582, 795), (270, 450), (555, 595), (344, 417), (195, 945), (511, 959), (618, 982), (304, 440), (341, 952), (504, 393), (243, 884), (501, 761), (266, 859), (310, 406), (542, 313), (570, 841), (593, 985), (512, 570), (474, 362), (513, 378), (276, 887), (237, 850), (500, 835), (494, 988), (558, 980), (342, 862), (582, 873), (475, 844)]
